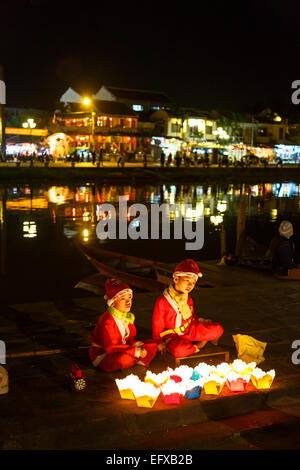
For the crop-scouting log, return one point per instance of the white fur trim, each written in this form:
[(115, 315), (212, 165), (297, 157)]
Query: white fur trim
[(173, 303), (182, 273), (119, 294)]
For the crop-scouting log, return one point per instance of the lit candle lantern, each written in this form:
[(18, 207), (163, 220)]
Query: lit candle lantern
[(145, 394), (203, 369), (126, 386), (242, 368), (173, 392), (237, 383), (214, 384), (223, 369), (261, 379), (193, 388), (181, 373), (157, 379)]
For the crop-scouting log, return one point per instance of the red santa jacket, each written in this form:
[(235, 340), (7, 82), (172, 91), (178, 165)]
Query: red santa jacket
[(107, 338), (167, 316)]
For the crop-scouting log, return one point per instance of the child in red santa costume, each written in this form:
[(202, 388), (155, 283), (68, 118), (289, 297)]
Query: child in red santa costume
[(113, 339), (174, 324)]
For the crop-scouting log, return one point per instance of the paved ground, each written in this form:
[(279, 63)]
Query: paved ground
[(41, 412)]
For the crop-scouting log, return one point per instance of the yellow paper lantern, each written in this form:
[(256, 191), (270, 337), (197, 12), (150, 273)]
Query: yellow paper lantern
[(126, 385), (242, 368), (262, 380), (145, 394), (214, 384), (157, 379)]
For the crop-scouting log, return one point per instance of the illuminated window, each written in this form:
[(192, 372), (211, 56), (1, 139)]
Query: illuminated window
[(137, 107), (175, 127), (208, 129)]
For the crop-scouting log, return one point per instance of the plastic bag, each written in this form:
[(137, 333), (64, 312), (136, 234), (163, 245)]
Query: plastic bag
[(3, 381), (249, 349)]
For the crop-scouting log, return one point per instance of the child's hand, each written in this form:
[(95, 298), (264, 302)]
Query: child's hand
[(138, 344), (206, 321), (162, 347), (143, 353)]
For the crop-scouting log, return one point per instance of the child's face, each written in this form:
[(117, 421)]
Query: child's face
[(123, 304), (184, 284)]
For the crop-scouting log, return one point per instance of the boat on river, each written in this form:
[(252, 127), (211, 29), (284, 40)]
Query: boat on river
[(137, 272), (142, 273)]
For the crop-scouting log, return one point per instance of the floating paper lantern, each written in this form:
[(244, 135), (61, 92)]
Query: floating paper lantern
[(181, 373), (173, 392), (193, 388), (127, 385), (145, 394), (214, 384), (261, 379), (203, 369), (236, 383), (242, 368), (223, 369), (157, 379)]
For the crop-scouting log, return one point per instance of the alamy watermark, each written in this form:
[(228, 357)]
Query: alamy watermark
[(2, 352), (296, 354), (138, 228), (296, 93)]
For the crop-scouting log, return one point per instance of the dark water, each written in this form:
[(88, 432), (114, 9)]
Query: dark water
[(38, 224)]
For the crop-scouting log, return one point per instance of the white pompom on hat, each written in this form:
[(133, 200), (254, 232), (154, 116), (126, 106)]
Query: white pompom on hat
[(286, 229)]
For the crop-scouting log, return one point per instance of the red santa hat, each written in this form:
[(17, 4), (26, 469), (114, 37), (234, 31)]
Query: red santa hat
[(114, 289), (187, 267)]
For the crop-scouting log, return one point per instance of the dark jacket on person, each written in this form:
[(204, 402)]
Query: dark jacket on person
[(283, 255)]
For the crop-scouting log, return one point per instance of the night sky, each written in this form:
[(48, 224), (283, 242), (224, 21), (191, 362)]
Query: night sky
[(212, 55)]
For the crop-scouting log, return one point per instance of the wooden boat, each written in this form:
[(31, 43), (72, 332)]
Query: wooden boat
[(126, 264), (155, 274)]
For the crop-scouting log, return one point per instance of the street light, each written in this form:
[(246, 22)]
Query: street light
[(30, 124), (88, 102)]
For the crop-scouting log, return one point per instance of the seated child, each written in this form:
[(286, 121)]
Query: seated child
[(113, 339), (174, 324)]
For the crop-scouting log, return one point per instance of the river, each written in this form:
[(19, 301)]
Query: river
[(38, 223)]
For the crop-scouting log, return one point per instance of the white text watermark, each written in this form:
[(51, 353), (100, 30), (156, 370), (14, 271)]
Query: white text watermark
[(184, 227)]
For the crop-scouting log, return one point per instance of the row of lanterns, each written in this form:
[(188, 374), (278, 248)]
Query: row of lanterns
[(188, 382)]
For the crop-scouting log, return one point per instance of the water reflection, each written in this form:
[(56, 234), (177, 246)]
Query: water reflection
[(79, 207), (37, 225)]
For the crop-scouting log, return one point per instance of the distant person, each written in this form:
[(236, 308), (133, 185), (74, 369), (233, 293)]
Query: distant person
[(206, 160), (178, 158), (145, 159), (283, 252), (121, 160), (169, 161), (162, 158), (93, 157), (101, 157)]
